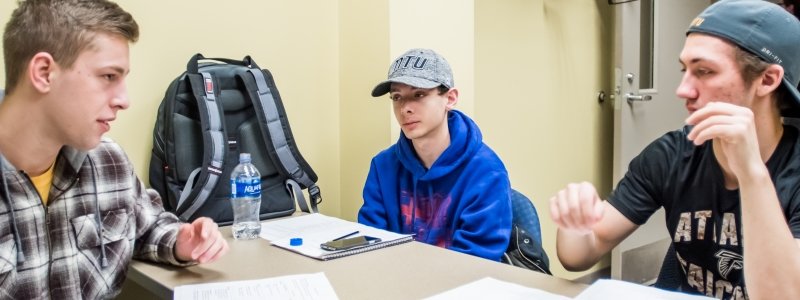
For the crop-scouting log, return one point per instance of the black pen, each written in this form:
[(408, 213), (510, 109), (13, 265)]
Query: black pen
[(346, 235)]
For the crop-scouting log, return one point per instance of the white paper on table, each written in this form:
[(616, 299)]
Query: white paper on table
[(617, 289), (315, 229), (295, 227), (303, 286), (490, 288)]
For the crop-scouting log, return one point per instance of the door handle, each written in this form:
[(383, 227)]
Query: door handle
[(631, 97)]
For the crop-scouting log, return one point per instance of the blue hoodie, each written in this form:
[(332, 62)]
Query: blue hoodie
[(462, 203)]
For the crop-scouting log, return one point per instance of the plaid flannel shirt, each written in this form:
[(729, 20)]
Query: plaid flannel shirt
[(62, 243)]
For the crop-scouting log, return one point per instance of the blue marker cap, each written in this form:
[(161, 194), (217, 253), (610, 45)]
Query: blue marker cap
[(296, 242)]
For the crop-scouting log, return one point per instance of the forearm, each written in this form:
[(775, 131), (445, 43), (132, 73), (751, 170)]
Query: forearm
[(771, 254), (156, 230), (158, 243), (577, 251)]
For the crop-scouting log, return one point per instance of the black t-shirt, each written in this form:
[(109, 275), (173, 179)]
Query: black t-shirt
[(702, 216)]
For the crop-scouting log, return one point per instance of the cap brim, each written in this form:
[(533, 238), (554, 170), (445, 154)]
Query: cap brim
[(794, 105), (383, 87)]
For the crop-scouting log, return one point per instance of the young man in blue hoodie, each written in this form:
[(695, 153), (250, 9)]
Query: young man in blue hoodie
[(439, 182)]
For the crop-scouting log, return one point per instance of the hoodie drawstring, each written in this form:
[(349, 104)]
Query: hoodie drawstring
[(103, 258), (414, 203), (7, 196)]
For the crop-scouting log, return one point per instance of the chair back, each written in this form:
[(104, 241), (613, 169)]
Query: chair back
[(525, 215), (525, 246)]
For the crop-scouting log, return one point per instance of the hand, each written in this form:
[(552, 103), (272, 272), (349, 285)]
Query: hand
[(200, 241), (577, 207), (733, 129)]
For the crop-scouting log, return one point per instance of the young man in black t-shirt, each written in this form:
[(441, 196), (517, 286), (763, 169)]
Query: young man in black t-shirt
[(730, 180)]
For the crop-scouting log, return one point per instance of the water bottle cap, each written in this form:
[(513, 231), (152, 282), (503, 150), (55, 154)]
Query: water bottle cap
[(244, 157), (296, 242)]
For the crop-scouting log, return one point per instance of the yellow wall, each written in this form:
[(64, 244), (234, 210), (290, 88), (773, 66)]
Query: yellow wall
[(539, 66), (364, 131), (528, 72)]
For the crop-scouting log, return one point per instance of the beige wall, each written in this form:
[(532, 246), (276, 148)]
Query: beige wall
[(528, 72), (539, 66), (364, 130)]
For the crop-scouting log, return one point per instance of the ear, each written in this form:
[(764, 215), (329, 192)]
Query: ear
[(42, 69), (770, 80), (452, 98)]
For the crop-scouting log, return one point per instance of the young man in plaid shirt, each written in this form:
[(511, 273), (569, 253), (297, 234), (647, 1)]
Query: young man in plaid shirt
[(72, 210)]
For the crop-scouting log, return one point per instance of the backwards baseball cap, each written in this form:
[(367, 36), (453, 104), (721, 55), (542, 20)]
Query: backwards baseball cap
[(762, 28), (420, 68)]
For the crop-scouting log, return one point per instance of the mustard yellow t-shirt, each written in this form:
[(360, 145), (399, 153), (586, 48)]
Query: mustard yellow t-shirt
[(43, 182)]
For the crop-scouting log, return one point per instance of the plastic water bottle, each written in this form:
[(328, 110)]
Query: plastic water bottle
[(246, 199)]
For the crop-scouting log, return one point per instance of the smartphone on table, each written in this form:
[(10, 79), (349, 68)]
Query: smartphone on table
[(349, 243)]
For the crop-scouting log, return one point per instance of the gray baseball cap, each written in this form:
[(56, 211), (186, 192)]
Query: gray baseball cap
[(762, 28), (420, 68)]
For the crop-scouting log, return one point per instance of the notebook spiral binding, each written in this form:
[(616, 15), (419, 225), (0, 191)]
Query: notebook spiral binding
[(349, 252)]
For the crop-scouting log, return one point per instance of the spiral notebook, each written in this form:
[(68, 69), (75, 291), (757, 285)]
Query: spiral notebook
[(315, 229)]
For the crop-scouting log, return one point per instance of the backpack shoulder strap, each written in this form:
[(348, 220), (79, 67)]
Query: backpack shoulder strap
[(208, 174), (163, 155), (277, 137)]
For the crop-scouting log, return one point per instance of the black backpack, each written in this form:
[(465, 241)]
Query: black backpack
[(211, 113)]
